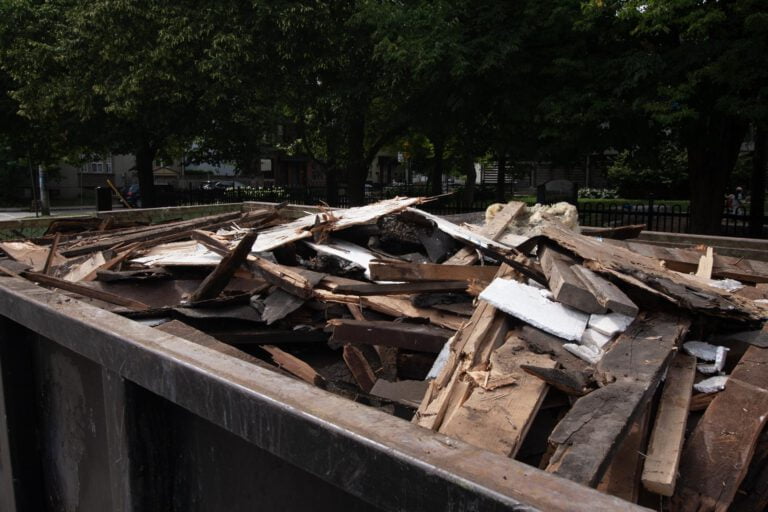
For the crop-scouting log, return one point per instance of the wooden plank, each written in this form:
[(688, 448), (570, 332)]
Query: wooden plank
[(113, 262), (402, 288), (421, 338), (299, 282), (647, 273), (493, 230), (51, 253), (587, 438), (394, 306), (359, 367), (622, 478), (217, 280), (617, 233), (294, 365), (607, 294), (564, 284), (85, 291), (499, 419), (753, 494), (404, 271), (718, 453), (706, 262), (472, 344), (156, 235), (661, 463)]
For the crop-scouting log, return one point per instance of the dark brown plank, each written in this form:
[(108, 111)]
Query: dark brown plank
[(217, 280), (359, 367), (404, 271), (401, 288), (564, 284), (85, 291), (417, 337), (51, 254)]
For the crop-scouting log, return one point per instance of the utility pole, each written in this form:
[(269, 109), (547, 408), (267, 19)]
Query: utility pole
[(45, 205)]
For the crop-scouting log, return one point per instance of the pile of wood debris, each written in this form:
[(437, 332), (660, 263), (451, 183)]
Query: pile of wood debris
[(637, 369)]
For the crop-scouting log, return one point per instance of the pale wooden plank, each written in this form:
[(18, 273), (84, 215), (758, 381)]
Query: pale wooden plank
[(665, 448)]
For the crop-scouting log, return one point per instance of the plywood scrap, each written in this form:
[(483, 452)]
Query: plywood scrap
[(31, 254), (280, 304), (566, 286), (79, 271), (531, 305), (663, 456), (587, 438), (405, 271), (217, 280), (332, 220), (294, 365), (359, 367), (498, 419), (718, 453), (607, 294), (417, 337)]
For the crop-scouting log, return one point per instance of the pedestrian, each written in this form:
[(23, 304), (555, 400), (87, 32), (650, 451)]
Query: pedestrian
[(738, 199)]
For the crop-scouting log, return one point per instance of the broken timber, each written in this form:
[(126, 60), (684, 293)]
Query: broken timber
[(404, 271), (421, 338), (724, 439), (217, 280), (565, 284), (588, 436), (493, 230)]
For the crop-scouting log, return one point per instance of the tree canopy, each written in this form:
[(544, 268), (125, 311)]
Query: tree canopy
[(516, 80)]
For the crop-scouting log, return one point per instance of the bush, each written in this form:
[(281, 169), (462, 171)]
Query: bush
[(664, 173)]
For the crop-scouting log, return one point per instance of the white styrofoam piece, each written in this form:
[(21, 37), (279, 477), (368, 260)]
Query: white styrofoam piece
[(346, 251), (595, 338), (610, 324), (439, 363), (703, 350), (712, 384), (729, 285), (717, 366), (531, 306), (588, 353)]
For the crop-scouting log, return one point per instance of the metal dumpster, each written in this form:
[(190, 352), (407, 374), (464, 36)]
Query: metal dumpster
[(98, 412)]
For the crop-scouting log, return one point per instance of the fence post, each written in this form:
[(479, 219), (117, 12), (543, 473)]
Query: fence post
[(649, 220)]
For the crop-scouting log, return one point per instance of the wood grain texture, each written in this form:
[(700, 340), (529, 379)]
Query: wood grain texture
[(666, 445)]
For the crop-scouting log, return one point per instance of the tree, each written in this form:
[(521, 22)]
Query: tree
[(692, 68), (113, 76)]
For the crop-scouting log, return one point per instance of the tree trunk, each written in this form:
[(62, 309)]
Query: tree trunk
[(713, 146), (357, 170), (757, 185), (436, 173), (45, 204), (145, 156), (469, 186), (501, 177)]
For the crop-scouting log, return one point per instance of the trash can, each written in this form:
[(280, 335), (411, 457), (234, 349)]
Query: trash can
[(103, 199)]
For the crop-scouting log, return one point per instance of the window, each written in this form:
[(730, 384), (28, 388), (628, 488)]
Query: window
[(98, 167)]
